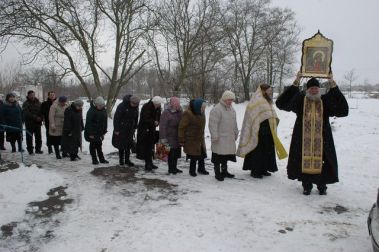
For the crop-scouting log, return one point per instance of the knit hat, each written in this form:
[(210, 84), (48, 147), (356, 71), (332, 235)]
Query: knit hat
[(157, 100), (175, 102), (78, 103), (197, 103), (62, 99), (134, 100), (228, 95), (99, 101), (9, 96), (313, 82)]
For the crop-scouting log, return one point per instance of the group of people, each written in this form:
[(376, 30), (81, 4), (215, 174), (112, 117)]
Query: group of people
[(312, 156)]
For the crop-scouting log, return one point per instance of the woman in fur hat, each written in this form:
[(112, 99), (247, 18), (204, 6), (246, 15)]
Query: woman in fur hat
[(224, 133)]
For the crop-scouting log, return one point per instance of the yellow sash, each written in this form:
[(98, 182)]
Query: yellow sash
[(279, 148)]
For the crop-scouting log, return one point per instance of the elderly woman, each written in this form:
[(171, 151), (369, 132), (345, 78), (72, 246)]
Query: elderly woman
[(95, 129), (11, 115), (149, 120), (224, 133), (72, 129), (168, 132), (258, 140), (124, 125), (191, 136), (56, 118)]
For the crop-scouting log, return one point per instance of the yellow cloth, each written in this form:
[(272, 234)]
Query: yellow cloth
[(280, 150), (257, 111)]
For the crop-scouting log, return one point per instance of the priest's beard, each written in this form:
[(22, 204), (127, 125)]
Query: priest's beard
[(316, 97)]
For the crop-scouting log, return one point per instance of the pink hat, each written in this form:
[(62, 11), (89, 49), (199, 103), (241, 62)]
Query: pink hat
[(175, 103)]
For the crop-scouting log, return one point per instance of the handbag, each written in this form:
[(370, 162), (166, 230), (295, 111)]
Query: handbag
[(162, 151)]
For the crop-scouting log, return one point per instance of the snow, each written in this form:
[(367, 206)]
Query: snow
[(202, 214)]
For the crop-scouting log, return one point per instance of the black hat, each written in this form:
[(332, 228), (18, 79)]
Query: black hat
[(313, 82), (62, 98)]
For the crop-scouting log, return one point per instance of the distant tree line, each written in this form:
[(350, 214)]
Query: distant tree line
[(193, 48)]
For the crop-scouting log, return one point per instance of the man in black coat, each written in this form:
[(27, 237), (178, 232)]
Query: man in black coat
[(45, 108), (72, 130), (95, 129), (125, 123), (312, 157), (2, 131), (149, 120), (33, 120)]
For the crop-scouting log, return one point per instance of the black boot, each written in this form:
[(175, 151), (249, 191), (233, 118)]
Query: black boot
[(307, 186), (148, 166), (50, 149), (39, 151), (127, 158), (218, 175), (94, 160), (74, 157), (171, 168), (322, 189), (13, 144), (121, 156), (225, 172), (201, 168), (192, 169), (57, 153), (101, 157)]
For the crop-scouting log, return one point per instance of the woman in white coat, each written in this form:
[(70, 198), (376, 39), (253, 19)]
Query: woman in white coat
[(224, 133), (56, 118)]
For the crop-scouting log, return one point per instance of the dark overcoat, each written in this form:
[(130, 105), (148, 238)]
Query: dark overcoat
[(334, 105), (125, 122), (96, 124), (11, 115), (45, 109), (146, 129), (32, 113), (72, 130)]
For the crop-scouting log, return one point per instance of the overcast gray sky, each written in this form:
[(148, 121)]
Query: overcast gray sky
[(351, 24)]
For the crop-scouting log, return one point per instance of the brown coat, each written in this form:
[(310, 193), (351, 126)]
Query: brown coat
[(191, 133)]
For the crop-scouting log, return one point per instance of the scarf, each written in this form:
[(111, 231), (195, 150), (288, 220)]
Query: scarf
[(312, 142)]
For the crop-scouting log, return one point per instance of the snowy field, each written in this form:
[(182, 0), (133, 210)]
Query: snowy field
[(107, 211)]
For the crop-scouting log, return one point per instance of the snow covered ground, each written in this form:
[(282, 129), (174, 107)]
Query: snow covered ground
[(141, 211)]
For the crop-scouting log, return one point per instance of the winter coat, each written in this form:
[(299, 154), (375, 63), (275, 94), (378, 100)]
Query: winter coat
[(32, 113), (72, 130), (334, 104), (169, 126), (146, 128), (223, 128), (96, 124), (125, 122), (11, 115), (56, 118), (45, 109), (191, 133)]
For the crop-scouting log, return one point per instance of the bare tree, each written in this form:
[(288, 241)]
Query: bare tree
[(250, 27), (350, 77), (183, 26), (75, 34)]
